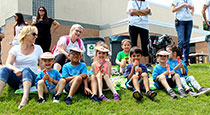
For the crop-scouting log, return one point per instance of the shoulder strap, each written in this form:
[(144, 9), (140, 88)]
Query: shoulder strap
[(67, 39), (79, 42)]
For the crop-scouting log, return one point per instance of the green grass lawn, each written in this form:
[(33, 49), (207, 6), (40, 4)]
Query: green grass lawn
[(163, 104)]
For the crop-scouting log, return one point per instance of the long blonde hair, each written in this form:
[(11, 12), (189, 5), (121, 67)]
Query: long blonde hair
[(26, 31)]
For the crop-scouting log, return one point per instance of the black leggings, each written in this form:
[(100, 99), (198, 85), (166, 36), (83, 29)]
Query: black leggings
[(144, 34), (61, 59)]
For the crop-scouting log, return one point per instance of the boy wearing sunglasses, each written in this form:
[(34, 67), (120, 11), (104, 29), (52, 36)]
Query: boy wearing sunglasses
[(164, 78)]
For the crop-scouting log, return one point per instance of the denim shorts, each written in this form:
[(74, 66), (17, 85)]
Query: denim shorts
[(52, 90), (129, 84)]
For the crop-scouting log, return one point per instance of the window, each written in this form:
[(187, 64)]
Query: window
[(48, 4)]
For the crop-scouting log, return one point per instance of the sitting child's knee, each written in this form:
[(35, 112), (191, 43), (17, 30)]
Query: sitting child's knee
[(62, 81), (41, 82)]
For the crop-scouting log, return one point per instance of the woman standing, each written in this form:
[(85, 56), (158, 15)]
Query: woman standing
[(184, 22), (138, 11), (21, 64), (43, 24), (20, 23)]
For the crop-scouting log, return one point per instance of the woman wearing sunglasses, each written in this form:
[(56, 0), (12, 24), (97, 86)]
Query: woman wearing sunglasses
[(43, 24), (21, 64)]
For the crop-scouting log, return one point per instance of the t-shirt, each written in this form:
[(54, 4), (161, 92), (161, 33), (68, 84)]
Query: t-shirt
[(138, 21), (174, 63), (156, 72), (53, 74), (17, 30), (184, 13), (69, 70), (129, 67), (62, 40), (30, 60), (120, 56), (207, 3)]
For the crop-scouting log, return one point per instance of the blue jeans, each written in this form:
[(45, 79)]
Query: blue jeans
[(8, 76), (184, 30)]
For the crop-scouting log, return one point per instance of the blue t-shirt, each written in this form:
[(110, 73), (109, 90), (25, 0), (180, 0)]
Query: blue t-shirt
[(158, 70), (53, 74), (174, 63), (129, 67), (69, 70)]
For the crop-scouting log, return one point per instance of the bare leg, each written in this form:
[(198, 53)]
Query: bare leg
[(26, 90), (135, 81), (145, 81), (110, 84), (94, 85), (2, 85), (75, 83), (57, 66), (100, 83), (60, 86), (163, 81), (42, 88), (176, 78)]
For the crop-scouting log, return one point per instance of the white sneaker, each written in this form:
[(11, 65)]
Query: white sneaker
[(204, 91), (56, 99)]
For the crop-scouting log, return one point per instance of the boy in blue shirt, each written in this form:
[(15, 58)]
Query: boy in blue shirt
[(73, 74), (165, 79), (48, 78), (137, 75), (178, 65)]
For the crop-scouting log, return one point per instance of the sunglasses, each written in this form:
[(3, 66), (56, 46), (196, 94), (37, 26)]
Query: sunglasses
[(75, 53), (41, 10), (162, 55), (34, 34), (78, 31)]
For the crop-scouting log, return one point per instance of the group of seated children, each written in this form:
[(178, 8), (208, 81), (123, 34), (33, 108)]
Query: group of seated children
[(74, 76), (170, 72)]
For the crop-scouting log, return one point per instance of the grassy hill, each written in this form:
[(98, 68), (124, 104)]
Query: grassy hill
[(163, 104)]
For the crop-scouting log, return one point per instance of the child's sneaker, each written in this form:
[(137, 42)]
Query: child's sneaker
[(191, 93), (41, 100), (116, 97), (137, 95), (68, 100), (56, 99), (94, 98), (172, 94), (151, 94), (102, 97), (182, 93), (204, 90)]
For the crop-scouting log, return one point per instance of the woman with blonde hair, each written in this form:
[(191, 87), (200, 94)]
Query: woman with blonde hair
[(21, 64)]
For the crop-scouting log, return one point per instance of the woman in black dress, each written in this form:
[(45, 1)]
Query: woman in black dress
[(43, 24)]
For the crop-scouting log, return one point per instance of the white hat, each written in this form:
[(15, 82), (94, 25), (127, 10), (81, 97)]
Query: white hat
[(163, 53), (47, 55), (76, 49), (101, 48)]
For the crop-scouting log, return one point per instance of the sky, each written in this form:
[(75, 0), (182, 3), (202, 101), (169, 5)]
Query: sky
[(198, 4)]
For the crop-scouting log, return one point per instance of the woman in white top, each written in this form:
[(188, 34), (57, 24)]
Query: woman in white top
[(206, 7), (184, 10), (21, 64), (20, 23), (138, 11), (63, 47)]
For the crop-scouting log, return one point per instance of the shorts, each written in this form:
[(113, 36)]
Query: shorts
[(129, 85), (52, 90), (68, 86), (170, 82)]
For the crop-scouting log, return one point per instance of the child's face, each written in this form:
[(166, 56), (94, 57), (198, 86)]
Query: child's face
[(172, 54), (74, 56), (47, 63), (135, 56), (162, 58), (126, 46), (101, 55)]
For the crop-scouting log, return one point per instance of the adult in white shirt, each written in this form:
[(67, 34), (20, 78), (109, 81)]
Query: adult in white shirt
[(62, 50), (138, 11), (184, 10), (21, 64), (206, 6)]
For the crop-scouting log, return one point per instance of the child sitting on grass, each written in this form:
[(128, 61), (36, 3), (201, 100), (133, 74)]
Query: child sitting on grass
[(102, 70), (165, 79), (137, 75), (123, 56), (180, 68), (48, 78), (73, 74)]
